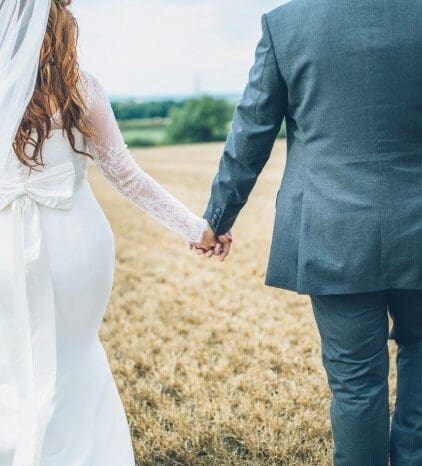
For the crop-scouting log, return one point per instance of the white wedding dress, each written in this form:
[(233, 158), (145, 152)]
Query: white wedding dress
[(59, 405)]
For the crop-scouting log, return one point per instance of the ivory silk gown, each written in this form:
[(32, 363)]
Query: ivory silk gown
[(59, 405)]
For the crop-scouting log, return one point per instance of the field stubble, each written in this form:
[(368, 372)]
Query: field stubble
[(213, 367)]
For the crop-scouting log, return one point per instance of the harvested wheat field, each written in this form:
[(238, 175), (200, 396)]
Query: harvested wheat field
[(213, 367)]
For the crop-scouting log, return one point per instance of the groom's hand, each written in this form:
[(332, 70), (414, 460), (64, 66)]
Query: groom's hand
[(224, 245)]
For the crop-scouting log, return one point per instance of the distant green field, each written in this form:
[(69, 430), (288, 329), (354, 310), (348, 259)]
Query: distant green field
[(146, 132)]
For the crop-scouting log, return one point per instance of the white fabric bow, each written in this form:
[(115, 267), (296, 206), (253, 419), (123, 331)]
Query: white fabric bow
[(34, 302)]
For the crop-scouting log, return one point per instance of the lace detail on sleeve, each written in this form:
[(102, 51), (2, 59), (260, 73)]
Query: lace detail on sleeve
[(112, 156)]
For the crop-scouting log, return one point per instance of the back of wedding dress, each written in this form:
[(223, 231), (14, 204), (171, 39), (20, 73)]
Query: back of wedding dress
[(111, 155), (58, 400)]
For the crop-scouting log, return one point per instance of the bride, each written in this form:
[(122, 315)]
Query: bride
[(59, 405)]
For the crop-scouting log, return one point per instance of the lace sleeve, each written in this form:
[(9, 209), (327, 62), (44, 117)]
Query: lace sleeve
[(112, 156)]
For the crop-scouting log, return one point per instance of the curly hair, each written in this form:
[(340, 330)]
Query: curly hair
[(57, 89)]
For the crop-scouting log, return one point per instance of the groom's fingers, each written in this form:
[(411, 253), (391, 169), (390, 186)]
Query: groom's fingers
[(226, 250)]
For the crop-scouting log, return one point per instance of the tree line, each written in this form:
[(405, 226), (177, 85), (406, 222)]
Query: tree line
[(133, 110), (200, 119)]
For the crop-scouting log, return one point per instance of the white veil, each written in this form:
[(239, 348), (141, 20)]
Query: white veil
[(22, 28)]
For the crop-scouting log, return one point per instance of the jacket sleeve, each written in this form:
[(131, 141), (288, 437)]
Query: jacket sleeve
[(256, 124)]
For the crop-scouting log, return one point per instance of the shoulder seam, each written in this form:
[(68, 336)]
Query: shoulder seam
[(280, 75)]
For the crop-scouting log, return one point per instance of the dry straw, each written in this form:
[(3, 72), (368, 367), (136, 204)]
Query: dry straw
[(214, 368)]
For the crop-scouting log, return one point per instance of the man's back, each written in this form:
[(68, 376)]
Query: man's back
[(347, 78), (353, 71)]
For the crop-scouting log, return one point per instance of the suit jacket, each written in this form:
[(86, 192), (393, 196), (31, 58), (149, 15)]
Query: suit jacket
[(347, 78)]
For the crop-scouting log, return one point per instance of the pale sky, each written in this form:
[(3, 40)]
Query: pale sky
[(167, 47)]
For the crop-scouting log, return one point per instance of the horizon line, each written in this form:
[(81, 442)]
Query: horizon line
[(175, 96)]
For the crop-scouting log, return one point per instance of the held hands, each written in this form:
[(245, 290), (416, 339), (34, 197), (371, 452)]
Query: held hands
[(212, 245)]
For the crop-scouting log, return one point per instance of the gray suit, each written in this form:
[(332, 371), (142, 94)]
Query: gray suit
[(347, 78)]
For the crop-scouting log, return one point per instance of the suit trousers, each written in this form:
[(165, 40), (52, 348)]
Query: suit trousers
[(354, 330)]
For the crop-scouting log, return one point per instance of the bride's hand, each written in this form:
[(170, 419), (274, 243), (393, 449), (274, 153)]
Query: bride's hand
[(207, 245)]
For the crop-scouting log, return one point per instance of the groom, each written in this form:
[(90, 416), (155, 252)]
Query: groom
[(347, 78)]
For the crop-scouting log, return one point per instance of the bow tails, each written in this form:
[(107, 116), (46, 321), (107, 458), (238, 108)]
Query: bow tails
[(34, 303)]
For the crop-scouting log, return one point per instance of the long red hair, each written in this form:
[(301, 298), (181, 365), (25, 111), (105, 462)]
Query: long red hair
[(57, 89)]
